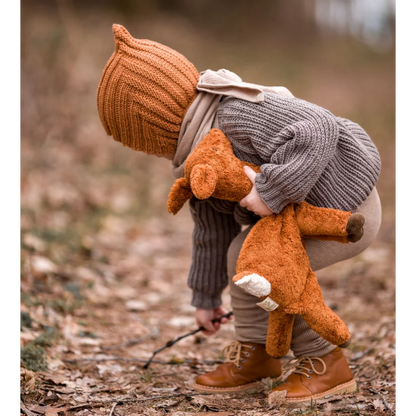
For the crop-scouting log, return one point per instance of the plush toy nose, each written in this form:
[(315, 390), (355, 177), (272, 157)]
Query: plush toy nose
[(203, 180)]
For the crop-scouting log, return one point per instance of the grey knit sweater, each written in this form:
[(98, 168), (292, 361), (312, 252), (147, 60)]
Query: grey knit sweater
[(305, 153)]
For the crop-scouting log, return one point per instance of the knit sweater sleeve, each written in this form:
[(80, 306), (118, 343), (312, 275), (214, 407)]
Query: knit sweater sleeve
[(296, 166), (213, 232), (291, 139)]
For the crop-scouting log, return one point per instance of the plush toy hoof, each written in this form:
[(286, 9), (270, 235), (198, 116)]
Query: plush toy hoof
[(345, 344), (355, 226)]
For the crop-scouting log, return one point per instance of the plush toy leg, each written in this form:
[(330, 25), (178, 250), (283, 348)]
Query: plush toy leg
[(279, 333), (319, 316), (178, 195)]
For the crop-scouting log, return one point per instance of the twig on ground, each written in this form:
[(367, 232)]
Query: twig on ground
[(386, 403), (383, 399), (97, 403), (130, 342), (112, 409), (361, 354), (174, 341), (25, 410), (139, 360)]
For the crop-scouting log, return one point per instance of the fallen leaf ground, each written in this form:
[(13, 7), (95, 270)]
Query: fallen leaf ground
[(104, 266)]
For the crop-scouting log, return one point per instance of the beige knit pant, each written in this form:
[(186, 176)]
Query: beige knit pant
[(251, 321)]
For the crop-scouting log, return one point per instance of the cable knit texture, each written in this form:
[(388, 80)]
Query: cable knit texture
[(144, 93), (305, 153)]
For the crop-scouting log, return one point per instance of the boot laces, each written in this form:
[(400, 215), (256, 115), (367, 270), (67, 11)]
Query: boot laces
[(232, 353), (304, 366)]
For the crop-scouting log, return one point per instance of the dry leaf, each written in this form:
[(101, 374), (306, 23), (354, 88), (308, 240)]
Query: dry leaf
[(28, 336), (48, 410), (378, 404), (34, 242), (43, 265), (203, 414), (276, 397), (136, 305), (216, 413), (27, 374), (54, 364), (30, 385), (53, 411)]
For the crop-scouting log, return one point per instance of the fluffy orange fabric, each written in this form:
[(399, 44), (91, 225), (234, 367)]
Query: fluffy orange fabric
[(211, 170), (274, 250)]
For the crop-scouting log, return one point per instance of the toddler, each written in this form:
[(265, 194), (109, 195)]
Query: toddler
[(152, 99)]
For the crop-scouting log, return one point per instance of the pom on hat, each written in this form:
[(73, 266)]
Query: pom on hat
[(144, 93)]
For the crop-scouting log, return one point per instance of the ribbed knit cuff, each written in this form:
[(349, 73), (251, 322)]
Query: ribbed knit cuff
[(202, 300), (306, 342), (269, 194)]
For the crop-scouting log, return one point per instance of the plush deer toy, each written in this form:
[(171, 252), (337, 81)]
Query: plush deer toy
[(273, 264)]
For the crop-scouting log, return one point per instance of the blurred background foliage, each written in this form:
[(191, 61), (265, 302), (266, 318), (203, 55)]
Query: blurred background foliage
[(339, 54)]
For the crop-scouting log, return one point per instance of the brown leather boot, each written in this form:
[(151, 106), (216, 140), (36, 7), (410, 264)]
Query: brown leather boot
[(315, 377), (247, 363)]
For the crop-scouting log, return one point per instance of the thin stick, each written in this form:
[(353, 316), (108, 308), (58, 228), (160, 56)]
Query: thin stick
[(174, 341), (360, 355), (112, 409), (139, 360), (97, 403), (386, 403), (27, 412), (130, 342)]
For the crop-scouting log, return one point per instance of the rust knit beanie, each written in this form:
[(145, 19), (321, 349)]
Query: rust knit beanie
[(144, 93)]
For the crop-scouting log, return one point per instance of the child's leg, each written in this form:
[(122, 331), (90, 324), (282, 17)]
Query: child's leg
[(250, 321), (247, 361), (321, 368)]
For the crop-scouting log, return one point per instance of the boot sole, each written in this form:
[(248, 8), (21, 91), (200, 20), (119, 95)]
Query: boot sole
[(347, 387), (254, 387)]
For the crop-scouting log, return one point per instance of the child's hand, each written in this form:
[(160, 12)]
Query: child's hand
[(252, 201), (204, 317)]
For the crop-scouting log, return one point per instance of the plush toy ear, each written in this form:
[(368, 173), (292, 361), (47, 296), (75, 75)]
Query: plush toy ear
[(203, 181), (178, 195)]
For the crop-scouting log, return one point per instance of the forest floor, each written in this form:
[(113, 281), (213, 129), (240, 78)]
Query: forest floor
[(104, 266), (104, 285)]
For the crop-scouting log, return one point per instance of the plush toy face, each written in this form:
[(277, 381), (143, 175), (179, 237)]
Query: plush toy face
[(211, 170)]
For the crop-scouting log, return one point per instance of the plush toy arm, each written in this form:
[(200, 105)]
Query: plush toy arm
[(329, 224), (178, 195)]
